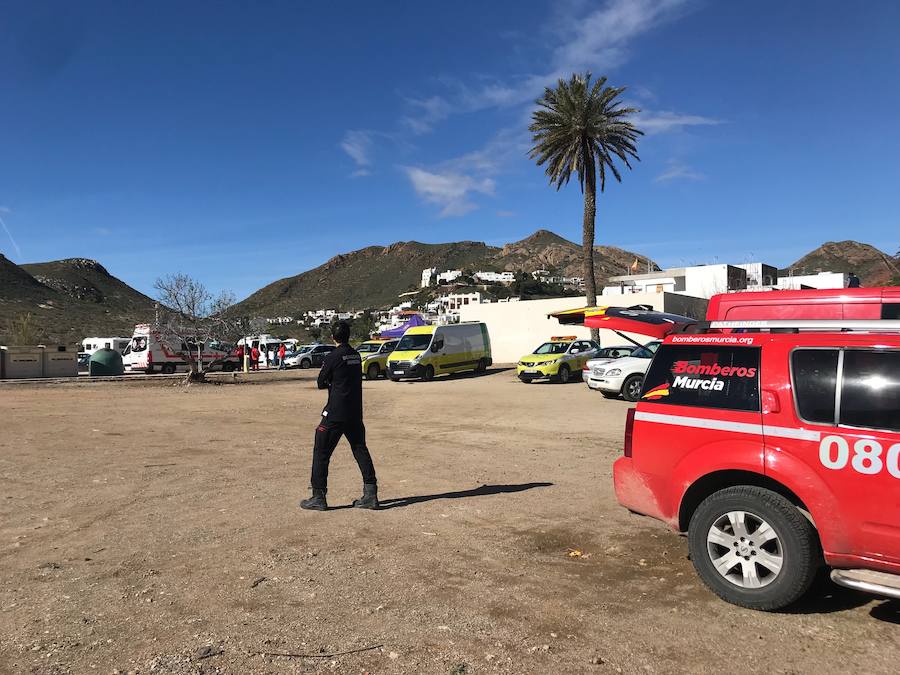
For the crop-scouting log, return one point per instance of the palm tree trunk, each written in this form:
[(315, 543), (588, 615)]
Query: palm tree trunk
[(587, 243)]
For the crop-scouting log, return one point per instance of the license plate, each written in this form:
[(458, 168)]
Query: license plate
[(399, 372), (532, 372)]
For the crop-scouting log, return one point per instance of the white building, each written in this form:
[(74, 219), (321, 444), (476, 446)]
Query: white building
[(449, 276), (427, 276), (454, 301), (820, 280), (701, 281), (704, 281), (517, 328), (495, 277)]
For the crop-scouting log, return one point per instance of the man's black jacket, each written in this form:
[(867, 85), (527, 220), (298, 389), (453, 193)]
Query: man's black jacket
[(341, 374)]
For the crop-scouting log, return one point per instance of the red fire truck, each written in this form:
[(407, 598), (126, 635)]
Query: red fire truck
[(775, 444)]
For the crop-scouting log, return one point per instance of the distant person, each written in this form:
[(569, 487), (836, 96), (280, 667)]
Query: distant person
[(254, 358), (852, 280), (341, 374), (282, 350), (239, 353)]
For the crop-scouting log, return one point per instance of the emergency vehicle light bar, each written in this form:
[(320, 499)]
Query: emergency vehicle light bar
[(885, 325)]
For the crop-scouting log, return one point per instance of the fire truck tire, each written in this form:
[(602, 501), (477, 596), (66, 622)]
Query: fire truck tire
[(631, 387), (372, 372), (754, 548), (168, 368)]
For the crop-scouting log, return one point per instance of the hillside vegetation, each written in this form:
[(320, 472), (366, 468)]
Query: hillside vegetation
[(874, 267), (373, 277), (70, 299)]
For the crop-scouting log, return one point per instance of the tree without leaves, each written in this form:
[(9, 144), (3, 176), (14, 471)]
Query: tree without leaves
[(582, 128), (191, 318)]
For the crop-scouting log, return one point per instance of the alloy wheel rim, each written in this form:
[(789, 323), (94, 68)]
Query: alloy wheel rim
[(745, 550)]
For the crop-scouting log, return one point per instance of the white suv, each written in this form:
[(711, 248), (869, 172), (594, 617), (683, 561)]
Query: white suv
[(623, 377)]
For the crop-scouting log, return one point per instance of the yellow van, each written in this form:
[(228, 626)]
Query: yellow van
[(426, 351)]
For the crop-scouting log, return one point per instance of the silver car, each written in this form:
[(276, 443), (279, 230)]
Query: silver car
[(605, 355)]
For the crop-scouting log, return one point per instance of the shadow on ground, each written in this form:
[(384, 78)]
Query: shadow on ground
[(483, 491)]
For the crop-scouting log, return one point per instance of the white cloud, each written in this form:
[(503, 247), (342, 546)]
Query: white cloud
[(448, 189), (596, 41), (428, 112), (358, 145), (678, 171), (664, 120)]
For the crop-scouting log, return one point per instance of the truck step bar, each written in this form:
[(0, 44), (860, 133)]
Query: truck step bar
[(869, 581)]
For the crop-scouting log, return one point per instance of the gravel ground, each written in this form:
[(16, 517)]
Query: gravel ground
[(146, 527)]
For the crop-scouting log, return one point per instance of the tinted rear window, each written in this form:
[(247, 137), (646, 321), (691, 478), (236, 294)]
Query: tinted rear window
[(870, 390), (814, 374), (890, 310), (704, 376)]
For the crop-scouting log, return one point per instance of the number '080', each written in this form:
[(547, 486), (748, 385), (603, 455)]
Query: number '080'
[(867, 457)]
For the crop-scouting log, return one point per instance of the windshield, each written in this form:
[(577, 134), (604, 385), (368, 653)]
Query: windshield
[(553, 348), (413, 343), (368, 347), (139, 343), (305, 349), (645, 352)]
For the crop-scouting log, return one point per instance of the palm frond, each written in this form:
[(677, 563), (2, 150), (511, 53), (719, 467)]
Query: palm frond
[(581, 127)]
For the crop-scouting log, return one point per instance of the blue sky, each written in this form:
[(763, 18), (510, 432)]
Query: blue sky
[(244, 142)]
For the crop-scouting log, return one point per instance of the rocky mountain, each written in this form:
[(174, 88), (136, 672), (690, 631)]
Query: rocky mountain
[(874, 267), (70, 299), (374, 276)]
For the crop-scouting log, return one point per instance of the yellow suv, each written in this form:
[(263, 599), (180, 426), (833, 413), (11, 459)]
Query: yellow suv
[(374, 355), (557, 360)]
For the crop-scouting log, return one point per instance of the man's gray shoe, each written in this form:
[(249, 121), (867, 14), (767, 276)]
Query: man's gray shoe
[(316, 502)]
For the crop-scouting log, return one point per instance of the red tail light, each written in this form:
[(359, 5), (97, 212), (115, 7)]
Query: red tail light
[(629, 431), (149, 357)]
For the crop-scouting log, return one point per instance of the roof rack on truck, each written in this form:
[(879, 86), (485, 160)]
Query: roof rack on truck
[(796, 325)]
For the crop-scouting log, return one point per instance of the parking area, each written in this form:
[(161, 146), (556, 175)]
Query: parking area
[(150, 527)]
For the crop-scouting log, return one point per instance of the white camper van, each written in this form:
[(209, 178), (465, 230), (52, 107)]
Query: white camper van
[(93, 344), (149, 353)]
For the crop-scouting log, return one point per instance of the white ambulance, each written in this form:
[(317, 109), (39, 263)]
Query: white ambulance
[(150, 353)]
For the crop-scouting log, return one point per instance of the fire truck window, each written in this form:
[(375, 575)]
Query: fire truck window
[(815, 378), (710, 377), (870, 389), (890, 310)]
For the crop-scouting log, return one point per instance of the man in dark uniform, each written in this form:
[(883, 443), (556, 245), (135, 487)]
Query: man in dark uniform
[(341, 374)]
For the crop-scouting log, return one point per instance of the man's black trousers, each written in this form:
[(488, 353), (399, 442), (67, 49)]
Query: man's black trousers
[(328, 433)]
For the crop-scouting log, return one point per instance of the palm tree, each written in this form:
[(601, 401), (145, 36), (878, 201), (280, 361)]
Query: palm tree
[(583, 128)]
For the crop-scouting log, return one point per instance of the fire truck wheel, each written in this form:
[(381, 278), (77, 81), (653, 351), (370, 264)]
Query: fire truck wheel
[(631, 387), (168, 368), (372, 372), (753, 548)]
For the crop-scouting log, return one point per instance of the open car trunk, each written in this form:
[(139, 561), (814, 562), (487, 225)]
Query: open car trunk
[(639, 319)]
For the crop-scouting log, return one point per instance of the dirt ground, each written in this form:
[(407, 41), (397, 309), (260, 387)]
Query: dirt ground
[(146, 527)]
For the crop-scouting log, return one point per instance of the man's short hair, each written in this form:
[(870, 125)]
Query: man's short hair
[(341, 332)]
